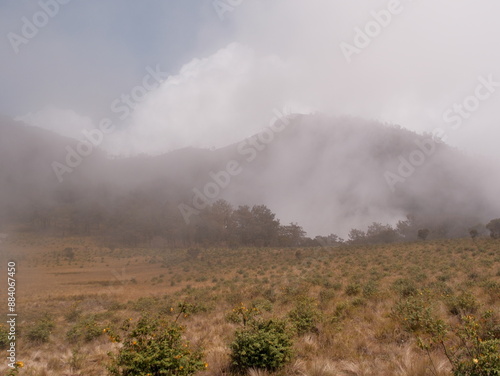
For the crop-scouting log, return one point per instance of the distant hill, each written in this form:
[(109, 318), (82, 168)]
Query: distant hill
[(327, 174)]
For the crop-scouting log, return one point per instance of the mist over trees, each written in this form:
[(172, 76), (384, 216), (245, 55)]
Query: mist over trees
[(136, 220), (319, 176), (494, 227)]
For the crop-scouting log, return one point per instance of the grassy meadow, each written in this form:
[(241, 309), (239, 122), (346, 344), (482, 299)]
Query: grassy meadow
[(413, 309)]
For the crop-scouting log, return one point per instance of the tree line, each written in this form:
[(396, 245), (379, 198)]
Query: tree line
[(137, 219)]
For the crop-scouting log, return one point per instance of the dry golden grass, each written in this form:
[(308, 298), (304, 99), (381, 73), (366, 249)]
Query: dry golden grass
[(356, 334)]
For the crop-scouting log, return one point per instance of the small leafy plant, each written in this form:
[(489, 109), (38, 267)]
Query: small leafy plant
[(154, 347), (263, 345), (40, 331), (305, 315), (86, 329), (242, 315), (4, 336)]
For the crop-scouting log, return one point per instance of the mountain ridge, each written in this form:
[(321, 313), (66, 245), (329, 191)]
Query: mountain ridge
[(327, 174)]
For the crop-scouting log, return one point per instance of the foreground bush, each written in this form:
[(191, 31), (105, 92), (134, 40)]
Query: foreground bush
[(479, 356), (155, 347), (476, 354), (262, 344), (486, 361)]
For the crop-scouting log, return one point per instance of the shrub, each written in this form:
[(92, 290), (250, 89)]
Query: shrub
[(263, 344), (353, 289), (342, 310), (486, 362), (73, 314), (185, 309), (240, 314), (405, 287), (4, 336), (304, 316), (480, 357), (262, 304), (370, 289), (415, 315), (490, 325), (40, 331), (68, 253), (463, 304), (493, 290), (155, 347), (85, 329), (326, 295), (294, 290), (15, 371)]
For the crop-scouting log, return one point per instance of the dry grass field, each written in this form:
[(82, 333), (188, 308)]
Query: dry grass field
[(362, 310)]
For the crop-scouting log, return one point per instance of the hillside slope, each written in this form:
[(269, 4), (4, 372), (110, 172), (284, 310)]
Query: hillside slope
[(327, 174)]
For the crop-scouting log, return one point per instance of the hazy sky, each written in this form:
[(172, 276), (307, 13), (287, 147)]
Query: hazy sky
[(227, 72)]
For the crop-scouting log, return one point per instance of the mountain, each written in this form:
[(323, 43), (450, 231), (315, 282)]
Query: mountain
[(327, 174), (331, 175)]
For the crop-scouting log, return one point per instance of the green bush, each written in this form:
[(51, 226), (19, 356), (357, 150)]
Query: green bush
[(73, 314), (155, 347), (342, 311), (304, 316), (493, 290), (86, 329), (4, 336), (486, 363), (326, 295), (353, 289), (405, 287), (479, 357), (262, 344), (370, 289), (240, 314), (463, 304), (40, 331), (416, 316), (490, 325), (262, 304)]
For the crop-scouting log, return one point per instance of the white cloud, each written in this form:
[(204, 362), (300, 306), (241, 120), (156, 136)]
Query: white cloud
[(62, 121), (211, 102)]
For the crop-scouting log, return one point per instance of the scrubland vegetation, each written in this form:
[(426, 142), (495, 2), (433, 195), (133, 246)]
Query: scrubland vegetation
[(423, 308)]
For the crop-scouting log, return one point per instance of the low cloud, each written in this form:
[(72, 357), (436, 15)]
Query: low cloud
[(62, 121), (211, 102)]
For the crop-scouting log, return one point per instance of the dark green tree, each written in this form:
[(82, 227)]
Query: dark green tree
[(494, 227), (292, 235), (423, 234)]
